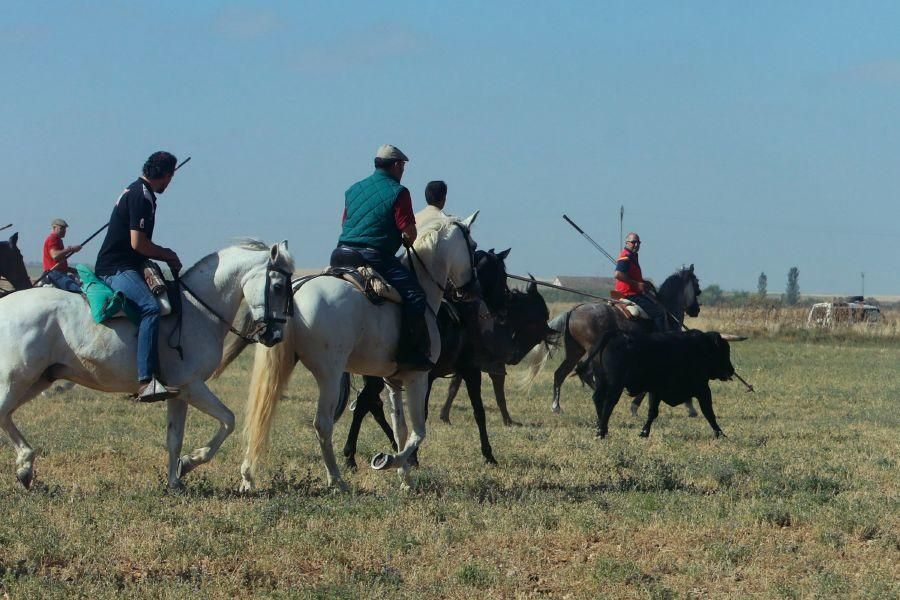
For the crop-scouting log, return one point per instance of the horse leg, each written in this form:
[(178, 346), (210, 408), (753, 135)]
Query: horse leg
[(472, 377), (329, 394), (200, 397), (176, 414), (414, 457), (562, 371), (417, 393), (452, 390), (705, 400), (689, 405), (12, 399), (636, 403), (652, 413), (498, 380), (365, 402)]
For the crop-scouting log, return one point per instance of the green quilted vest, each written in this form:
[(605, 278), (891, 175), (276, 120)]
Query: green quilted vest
[(370, 214)]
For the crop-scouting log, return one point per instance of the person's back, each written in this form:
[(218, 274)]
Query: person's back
[(377, 220)]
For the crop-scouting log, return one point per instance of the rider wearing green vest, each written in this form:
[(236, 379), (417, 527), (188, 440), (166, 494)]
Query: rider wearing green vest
[(378, 219)]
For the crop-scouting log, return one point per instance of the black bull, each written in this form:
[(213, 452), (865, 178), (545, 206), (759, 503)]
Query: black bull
[(672, 367)]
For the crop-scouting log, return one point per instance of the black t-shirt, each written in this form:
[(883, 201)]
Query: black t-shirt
[(135, 209)]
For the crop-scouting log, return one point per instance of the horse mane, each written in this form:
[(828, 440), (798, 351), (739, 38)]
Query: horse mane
[(673, 282), (434, 230), (245, 243)]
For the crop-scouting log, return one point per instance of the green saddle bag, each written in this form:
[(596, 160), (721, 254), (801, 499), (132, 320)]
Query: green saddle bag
[(104, 302)]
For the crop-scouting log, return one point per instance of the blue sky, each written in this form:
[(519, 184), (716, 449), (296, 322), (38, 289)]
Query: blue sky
[(741, 137)]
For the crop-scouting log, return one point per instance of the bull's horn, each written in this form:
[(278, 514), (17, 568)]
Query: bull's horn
[(730, 337)]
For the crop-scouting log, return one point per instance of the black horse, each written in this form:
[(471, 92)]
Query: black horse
[(581, 328), (467, 351), (12, 265)]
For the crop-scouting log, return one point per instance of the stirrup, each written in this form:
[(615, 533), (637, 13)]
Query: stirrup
[(154, 391)]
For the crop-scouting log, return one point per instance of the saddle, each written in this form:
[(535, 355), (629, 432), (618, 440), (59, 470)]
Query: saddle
[(368, 281), (631, 310), (155, 281)]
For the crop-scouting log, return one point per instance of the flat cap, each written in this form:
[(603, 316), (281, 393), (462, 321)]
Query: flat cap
[(59, 222), (388, 152)]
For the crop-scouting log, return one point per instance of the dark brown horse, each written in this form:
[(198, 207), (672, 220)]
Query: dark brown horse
[(12, 265), (466, 352), (580, 328)]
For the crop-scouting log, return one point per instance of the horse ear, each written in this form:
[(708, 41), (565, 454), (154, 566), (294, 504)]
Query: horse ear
[(491, 251), (14, 239), (504, 254), (691, 268), (275, 250), (532, 286), (470, 219)]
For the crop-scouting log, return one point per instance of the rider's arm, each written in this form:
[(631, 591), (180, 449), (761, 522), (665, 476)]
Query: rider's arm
[(621, 274), (58, 254), (404, 218), (143, 245)]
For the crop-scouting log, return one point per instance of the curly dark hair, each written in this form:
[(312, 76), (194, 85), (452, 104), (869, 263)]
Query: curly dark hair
[(159, 165), (435, 192)]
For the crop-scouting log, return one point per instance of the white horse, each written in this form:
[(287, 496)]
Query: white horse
[(48, 334), (336, 329)]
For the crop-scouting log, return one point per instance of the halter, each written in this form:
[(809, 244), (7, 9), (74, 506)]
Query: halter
[(260, 326)]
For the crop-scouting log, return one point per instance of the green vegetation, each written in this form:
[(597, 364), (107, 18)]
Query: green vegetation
[(800, 500)]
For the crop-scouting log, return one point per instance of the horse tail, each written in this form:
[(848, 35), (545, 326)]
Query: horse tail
[(235, 345), (343, 397), (272, 368), (538, 357)]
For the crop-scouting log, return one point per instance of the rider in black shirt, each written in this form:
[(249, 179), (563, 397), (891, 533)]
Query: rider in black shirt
[(126, 246)]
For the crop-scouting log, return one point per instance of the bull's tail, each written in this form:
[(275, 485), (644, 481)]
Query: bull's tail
[(539, 356), (272, 368), (583, 368), (235, 345)]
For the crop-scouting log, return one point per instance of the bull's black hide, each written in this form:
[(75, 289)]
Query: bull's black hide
[(672, 367)]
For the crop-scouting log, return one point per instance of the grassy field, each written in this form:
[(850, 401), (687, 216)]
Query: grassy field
[(800, 500)]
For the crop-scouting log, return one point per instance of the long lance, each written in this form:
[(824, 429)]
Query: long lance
[(562, 288), (607, 255), (92, 236), (5, 227)]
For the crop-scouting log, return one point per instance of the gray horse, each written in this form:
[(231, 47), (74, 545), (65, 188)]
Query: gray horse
[(580, 328)]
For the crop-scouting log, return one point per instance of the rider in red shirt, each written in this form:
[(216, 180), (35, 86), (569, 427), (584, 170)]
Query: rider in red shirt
[(630, 282), (56, 258)]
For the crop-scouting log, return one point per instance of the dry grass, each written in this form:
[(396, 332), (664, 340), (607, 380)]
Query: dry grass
[(801, 500)]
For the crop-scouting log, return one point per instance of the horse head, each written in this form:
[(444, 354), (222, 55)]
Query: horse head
[(268, 294), (680, 293), (459, 252), (12, 265), (491, 271)]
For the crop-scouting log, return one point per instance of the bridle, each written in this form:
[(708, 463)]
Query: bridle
[(458, 292), (260, 326)]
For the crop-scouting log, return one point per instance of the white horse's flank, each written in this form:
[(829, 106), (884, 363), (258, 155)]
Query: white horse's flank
[(336, 329), (48, 334)]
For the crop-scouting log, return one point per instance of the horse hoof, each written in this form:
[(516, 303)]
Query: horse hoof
[(351, 464), (601, 435), (25, 477), (490, 460), (445, 418), (413, 462), (382, 461), (185, 466), (556, 408), (693, 415), (177, 487), (644, 433), (246, 487), (719, 434)]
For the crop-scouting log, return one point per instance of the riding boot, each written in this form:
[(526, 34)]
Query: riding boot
[(414, 347)]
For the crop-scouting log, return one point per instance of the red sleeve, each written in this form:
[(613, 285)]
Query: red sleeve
[(403, 212)]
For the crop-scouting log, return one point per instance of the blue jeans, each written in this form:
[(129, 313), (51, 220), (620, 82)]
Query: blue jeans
[(653, 309), (63, 281), (398, 276), (134, 288)]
